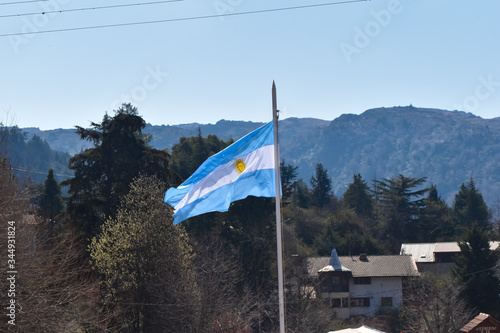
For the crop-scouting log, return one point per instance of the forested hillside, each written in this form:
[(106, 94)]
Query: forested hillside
[(32, 158), (446, 147)]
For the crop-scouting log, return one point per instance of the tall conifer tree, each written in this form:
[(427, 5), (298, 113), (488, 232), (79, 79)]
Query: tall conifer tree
[(358, 197), (469, 206), (475, 267), (321, 186), (103, 173), (50, 202), (400, 207)]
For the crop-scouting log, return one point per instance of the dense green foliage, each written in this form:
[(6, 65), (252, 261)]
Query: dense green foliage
[(437, 218), (146, 262), (103, 173), (50, 202), (447, 147), (288, 175), (399, 207), (32, 158), (321, 186), (358, 197), (190, 153), (469, 207), (476, 269)]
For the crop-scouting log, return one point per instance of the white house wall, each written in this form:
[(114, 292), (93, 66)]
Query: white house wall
[(379, 287)]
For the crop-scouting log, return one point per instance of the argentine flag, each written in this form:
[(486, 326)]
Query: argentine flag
[(246, 168)]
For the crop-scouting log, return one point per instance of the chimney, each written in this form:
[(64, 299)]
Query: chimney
[(363, 257)]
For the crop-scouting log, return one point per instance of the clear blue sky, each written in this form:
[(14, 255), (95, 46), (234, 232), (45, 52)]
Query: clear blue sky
[(326, 60)]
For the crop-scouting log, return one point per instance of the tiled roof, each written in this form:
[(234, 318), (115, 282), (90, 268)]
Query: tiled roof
[(480, 318), (314, 264), (373, 266), (381, 266)]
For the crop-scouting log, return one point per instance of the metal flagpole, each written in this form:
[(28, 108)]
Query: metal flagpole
[(278, 213)]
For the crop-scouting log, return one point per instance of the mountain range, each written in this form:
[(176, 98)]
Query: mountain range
[(447, 147)]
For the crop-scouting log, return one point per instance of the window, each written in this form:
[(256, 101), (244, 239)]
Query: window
[(363, 280), (333, 283), (386, 301), (339, 302), (360, 302)]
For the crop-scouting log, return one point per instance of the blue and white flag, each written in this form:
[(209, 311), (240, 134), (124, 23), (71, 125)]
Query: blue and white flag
[(246, 168)]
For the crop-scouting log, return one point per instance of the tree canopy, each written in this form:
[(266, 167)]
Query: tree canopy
[(358, 197), (399, 208), (102, 174), (469, 206), (321, 186), (475, 267), (146, 262), (50, 202), (190, 153)]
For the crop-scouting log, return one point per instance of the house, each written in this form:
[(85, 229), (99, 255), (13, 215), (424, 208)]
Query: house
[(360, 286), (436, 258), (483, 323)]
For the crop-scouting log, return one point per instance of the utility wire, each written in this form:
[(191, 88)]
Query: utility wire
[(483, 270), (40, 172), (90, 8), (20, 2), (192, 18)]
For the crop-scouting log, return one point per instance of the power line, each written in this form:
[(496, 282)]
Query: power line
[(483, 270), (192, 18), (40, 172), (90, 8), (21, 2)]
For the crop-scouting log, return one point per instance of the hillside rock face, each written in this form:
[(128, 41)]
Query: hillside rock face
[(446, 147)]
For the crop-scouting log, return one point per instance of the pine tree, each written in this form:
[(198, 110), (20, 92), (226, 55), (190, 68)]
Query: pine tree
[(189, 153), (436, 221), (399, 206), (288, 175), (469, 207), (358, 197), (301, 197), (50, 202), (200, 151), (475, 267), (321, 186), (103, 173)]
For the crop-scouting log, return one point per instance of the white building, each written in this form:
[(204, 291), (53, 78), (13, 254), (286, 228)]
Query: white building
[(360, 286), (437, 257)]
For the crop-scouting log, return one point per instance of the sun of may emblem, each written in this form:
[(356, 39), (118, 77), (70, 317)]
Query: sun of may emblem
[(239, 166)]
